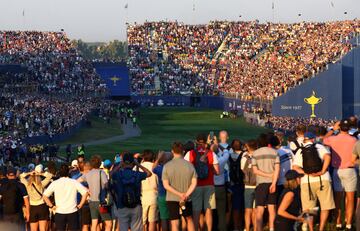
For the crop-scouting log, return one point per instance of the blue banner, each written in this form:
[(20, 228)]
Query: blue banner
[(116, 77)]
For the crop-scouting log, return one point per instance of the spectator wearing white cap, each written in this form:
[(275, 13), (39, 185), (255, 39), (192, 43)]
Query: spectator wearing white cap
[(39, 212)]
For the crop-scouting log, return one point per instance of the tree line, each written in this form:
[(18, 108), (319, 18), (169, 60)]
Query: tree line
[(112, 51)]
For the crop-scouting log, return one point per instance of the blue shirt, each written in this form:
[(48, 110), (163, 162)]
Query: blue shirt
[(158, 171), (117, 179)]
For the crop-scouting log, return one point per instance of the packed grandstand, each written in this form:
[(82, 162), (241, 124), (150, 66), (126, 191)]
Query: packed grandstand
[(252, 60), (257, 61), (55, 89)]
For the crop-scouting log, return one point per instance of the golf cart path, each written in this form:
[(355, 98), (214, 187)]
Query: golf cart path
[(128, 132)]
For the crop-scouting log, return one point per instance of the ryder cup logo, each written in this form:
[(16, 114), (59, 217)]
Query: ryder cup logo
[(312, 101)]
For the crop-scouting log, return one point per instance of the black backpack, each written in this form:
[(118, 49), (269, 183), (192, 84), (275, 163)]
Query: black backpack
[(235, 170), (129, 197), (11, 197), (298, 147), (249, 176), (201, 168), (311, 159)]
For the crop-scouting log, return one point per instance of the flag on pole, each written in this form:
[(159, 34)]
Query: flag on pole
[(126, 6), (23, 13), (332, 4)]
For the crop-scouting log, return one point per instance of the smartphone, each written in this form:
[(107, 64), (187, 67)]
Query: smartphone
[(211, 135)]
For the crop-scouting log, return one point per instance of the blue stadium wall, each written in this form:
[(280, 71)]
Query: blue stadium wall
[(338, 87), (115, 76)]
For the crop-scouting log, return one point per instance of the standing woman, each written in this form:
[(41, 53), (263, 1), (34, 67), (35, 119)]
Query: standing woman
[(39, 211), (290, 203)]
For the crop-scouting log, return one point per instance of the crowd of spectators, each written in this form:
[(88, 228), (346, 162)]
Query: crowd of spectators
[(52, 89), (257, 61)]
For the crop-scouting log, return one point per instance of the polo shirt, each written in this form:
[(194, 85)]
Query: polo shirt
[(341, 150)]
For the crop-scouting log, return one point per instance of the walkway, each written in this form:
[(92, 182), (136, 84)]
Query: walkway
[(128, 132)]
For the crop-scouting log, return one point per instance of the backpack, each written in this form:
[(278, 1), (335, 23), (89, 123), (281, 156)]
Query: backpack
[(312, 162), (235, 170), (129, 197), (249, 176), (298, 147), (11, 197), (201, 168)]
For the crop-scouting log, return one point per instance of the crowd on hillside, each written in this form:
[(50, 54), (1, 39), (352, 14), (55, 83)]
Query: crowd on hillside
[(258, 61), (209, 184)]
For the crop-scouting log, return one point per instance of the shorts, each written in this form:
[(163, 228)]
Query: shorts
[(39, 213), (95, 213), (164, 212), (249, 198), (344, 180), (237, 197), (358, 187), (130, 218), (326, 196), (174, 210), (262, 195), (203, 198), (70, 220), (150, 213), (85, 215)]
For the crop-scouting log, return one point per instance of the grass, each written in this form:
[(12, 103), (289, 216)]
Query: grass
[(161, 126), (99, 129)]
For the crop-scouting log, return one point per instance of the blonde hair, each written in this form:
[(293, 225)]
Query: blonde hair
[(291, 184), (34, 179)]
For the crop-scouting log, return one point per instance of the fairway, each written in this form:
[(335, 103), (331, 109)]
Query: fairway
[(99, 129), (161, 126)]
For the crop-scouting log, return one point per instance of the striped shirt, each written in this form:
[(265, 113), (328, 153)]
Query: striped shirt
[(265, 159)]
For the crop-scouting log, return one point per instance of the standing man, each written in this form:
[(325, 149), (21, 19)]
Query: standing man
[(97, 182), (266, 167), (318, 184), (66, 208), (206, 166), (356, 157), (344, 174), (222, 155), (14, 195), (179, 180), (127, 187)]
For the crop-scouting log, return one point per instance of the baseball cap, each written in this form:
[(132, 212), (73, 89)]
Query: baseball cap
[(309, 135), (128, 158), (74, 163), (292, 174), (31, 167), (345, 125), (39, 168), (11, 170), (117, 159), (107, 163)]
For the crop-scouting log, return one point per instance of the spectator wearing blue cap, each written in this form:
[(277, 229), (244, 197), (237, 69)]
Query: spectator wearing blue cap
[(317, 184)]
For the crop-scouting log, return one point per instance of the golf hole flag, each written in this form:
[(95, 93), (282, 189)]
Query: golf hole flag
[(116, 77)]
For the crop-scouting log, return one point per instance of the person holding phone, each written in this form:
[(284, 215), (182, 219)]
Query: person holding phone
[(290, 203)]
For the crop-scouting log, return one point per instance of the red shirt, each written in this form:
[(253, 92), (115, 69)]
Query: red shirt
[(210, 156)]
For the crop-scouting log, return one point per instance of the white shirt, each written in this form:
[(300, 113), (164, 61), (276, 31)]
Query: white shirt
[(300, 140), (222, 157), (65, 190), (286, 162), (149, 186), (298, 161)]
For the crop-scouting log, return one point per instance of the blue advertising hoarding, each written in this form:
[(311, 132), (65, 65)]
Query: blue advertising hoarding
[(116, 77)]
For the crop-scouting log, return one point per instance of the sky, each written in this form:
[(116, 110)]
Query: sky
[(105, 20)]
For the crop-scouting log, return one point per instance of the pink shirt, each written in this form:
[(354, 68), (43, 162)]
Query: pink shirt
[(341, 150)]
